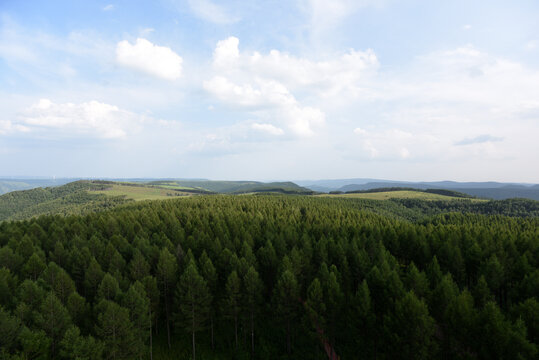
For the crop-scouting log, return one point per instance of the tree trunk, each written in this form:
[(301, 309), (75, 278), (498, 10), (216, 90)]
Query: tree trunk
[(194, 348), (236, 329), (193, 328), (168, 316), (211, 321), (151, 340), (288, 337), (252, 337)]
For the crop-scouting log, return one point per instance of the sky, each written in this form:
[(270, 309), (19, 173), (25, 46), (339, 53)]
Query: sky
[(270, 90)]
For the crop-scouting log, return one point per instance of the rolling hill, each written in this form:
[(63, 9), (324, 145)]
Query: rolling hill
[(85, 196), (234, 187), (489, 190)]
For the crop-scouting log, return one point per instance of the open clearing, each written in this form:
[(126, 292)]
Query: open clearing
[(141, 192), (401, 194)]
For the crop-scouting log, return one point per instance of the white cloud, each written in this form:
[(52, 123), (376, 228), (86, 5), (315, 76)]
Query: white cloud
[(155, 60), (467, 27), (108, 7), (256, 81), (93, 119), (340, 74), (270, 97), (8, 127), (268, 128), (226, 53), (209, 11)]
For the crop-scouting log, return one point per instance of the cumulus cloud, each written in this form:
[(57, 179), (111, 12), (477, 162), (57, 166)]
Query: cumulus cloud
[(152, 59), (333, 77), (267, 96), (479, 140), (279, 81), (93, 119), (209, 11)]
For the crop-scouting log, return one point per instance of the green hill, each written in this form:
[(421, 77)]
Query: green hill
[(234, 187), (401, 193), (73, 198)]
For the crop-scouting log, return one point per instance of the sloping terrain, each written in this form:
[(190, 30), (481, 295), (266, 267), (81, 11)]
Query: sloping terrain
[(396, 194), (234, 187), (72, 198), (488, 190)]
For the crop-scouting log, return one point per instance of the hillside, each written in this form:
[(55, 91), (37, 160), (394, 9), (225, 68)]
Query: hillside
[(85, 196), (489, 190), (404, 193), (74, 198), (234, 187)]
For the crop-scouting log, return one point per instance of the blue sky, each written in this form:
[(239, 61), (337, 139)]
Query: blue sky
[(306, 89)]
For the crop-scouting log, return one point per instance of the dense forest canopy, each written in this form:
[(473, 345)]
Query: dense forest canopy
[(269, 277)]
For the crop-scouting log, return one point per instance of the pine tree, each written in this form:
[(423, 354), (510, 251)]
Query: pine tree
[(34, 266), (54, 320), (150, 285), (411, 329), (252, 298), (10, 327), (75, 346), (287, 300), (232, 300), (209, 274), (115, 329), (138, 304), (166, 270), (109, 288), (193, 299)]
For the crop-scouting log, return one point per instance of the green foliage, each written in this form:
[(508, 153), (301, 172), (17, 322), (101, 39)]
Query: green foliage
[(116, 331), (274, 276), (193, 301), (72, 198)]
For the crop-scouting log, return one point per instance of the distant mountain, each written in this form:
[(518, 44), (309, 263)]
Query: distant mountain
[(14, 184), (334, 184), (236, 187), (489, 189)]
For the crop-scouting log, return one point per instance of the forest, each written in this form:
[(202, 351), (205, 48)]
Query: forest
[(273, 277)]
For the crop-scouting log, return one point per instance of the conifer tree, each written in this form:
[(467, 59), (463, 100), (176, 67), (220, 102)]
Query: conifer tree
[(115, 329), (193, 302), (137, 302), (54, 320), (232, 301), (209, 274), (287, 300), (167, 268), (252, 298)]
